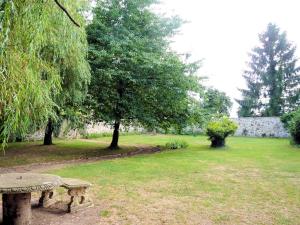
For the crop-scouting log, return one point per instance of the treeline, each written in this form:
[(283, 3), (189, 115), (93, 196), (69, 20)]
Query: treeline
[(110, 62)]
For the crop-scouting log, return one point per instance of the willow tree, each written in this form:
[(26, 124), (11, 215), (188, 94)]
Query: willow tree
[(38, 42)]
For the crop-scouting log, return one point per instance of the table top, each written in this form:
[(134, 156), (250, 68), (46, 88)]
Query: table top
[(14, 183)]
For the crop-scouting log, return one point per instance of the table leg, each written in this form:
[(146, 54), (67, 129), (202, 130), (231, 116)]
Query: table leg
[(16, 209), (48, 198), (79, 199)]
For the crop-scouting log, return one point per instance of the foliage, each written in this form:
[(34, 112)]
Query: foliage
[(205, 105), (216, 102), (41, 50), (219, 129), (287, 118), (292, 123), (272, 79), (294, 128), (177, 144), (136, 78)]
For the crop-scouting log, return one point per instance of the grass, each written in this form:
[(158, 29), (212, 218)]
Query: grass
[(252, 181), (34, 152)]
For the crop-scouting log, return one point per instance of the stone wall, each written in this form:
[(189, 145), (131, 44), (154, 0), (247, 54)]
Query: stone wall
[(247, 126), (99, 128), (261, 127), (92, 128)]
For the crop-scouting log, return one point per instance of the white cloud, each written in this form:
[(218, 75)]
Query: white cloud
[(223, 32)]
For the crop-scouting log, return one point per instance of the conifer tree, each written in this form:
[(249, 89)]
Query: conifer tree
[(272, 78)]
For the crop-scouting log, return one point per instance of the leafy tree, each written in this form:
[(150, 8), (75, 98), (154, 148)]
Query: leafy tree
[(38, 44), (216, 102), (272, 77), (291, 121), (75, 78), (208, 103), (136, 78)]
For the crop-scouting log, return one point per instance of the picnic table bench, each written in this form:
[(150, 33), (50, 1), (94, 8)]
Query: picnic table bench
[(16, 189), (77, 190)]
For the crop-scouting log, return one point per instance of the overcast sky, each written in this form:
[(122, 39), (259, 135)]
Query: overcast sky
[(222, 32)]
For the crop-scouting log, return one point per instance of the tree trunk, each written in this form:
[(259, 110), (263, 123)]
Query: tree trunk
[(217, 143), (48, 133), (115, 138)]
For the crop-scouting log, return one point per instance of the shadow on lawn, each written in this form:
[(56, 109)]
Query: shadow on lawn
[(37, 156)]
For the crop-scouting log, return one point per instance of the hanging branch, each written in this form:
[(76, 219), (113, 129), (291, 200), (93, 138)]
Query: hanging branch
[(66, 12)]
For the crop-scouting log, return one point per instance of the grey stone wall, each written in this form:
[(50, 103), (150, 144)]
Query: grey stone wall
[(92, 128), (261, 127), (103, 128), (247, 126)]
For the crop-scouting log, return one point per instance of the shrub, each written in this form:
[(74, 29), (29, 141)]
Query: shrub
[(219, 129), (177, 144), (292, 123)]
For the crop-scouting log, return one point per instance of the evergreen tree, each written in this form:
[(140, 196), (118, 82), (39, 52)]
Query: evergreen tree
[(136, 78), (272, 78)]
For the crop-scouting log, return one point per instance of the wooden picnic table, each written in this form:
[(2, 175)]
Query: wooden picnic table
[(16, 189)]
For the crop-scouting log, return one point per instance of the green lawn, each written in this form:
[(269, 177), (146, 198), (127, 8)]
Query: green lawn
[(252, 181)]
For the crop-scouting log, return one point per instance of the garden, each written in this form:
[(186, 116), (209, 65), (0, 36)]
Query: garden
[(103, 121), (251, 181)]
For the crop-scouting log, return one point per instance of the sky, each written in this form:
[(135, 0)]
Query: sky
[(223, 32)]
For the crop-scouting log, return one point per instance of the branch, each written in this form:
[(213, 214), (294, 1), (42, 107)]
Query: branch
[(66, 12)]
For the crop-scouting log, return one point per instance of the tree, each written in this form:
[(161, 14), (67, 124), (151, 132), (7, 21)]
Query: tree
[(291, 122), (272, 78), (136, 78), (75, 77), (37, 41), (216, 102)]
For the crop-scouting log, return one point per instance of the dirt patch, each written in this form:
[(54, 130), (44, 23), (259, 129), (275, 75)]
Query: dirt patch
[(57, 215)]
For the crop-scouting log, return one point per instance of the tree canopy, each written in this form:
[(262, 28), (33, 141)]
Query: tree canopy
[(136, 78), (216, 102), (272, 78), (41, 49)]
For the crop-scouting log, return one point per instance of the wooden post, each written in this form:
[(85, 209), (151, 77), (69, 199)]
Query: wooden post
[(16, 209)]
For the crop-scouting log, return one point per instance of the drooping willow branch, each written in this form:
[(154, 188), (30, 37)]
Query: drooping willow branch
[(66, 12)]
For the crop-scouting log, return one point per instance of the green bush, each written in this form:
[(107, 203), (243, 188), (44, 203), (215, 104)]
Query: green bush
[(177, 144), (292, 123), (219, 129)]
